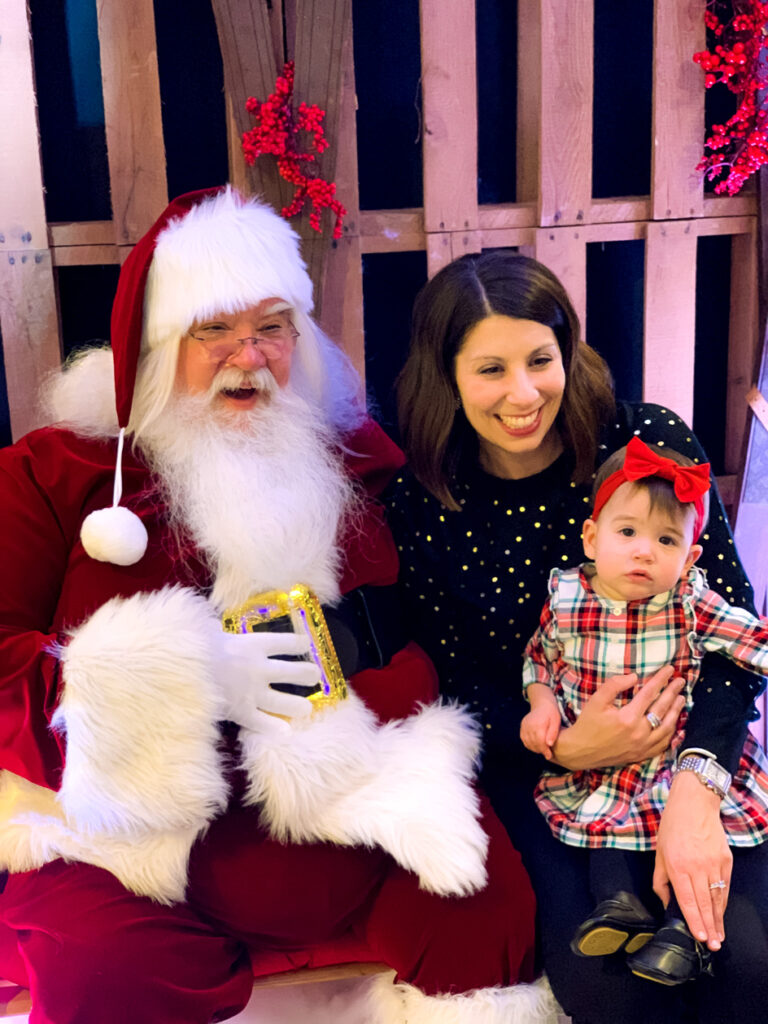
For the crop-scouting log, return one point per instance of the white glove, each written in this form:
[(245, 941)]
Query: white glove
[(245, 666)]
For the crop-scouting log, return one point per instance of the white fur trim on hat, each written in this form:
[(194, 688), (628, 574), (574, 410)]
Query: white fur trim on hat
[(405, 786), (227, 253)]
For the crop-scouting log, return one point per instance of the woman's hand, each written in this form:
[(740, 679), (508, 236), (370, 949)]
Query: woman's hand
[(691, 854), (606, 735)]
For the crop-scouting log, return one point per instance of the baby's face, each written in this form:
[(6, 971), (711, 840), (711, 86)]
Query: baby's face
[(638, 552)]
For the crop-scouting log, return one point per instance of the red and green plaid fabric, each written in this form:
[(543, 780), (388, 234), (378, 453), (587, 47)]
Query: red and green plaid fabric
[(582, 640)]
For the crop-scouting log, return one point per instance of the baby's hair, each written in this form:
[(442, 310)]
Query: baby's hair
[(661, 493)]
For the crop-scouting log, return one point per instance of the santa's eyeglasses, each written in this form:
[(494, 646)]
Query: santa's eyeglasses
[(220, 343)]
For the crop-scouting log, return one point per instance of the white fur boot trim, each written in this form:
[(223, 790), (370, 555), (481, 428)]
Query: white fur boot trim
[(405, 786), (140, 709), (514, 1004)]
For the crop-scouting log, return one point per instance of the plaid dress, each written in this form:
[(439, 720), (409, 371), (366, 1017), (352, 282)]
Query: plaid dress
[(582, 640)]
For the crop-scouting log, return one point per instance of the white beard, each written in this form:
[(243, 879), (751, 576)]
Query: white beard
[(260, 491)]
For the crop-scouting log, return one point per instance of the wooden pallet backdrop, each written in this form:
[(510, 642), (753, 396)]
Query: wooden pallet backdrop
[(554, 219)]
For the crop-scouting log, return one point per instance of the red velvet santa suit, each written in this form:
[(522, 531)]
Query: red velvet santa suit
[(154, 852), (314, 902)]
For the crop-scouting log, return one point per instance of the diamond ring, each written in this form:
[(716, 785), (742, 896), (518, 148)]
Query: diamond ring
[(653, 720), (717, 885)]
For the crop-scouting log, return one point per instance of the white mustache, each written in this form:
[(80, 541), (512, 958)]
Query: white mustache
[(231, 379)]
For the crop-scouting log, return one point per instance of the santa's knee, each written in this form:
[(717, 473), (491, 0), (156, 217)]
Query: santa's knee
[(82, 983), (132, 973)]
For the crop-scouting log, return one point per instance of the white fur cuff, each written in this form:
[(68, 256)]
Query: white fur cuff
[(405, 787), (140, 711)]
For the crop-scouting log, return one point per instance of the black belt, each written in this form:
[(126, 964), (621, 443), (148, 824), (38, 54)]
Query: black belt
[(367, 627)]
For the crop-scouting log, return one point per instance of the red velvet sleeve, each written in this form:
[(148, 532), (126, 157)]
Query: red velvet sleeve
[(33, 556)]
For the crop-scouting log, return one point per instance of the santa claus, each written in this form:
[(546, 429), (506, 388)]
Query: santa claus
[(168, 810)]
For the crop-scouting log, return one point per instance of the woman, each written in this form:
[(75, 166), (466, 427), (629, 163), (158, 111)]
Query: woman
[(505, 416)]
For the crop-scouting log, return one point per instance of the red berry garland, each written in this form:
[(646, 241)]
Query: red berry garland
[(275, 132), (739, 60)]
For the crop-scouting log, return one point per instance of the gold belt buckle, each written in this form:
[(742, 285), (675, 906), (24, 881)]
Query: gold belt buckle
[(301, 608)]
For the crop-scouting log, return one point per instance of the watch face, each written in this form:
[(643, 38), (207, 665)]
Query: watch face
[(718, 775)]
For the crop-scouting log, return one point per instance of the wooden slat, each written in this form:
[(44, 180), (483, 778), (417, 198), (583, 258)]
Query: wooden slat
[(85, 232), (342, 304), (517, 215), (742, 347), (529, 77), (28, 313), (622, 231), (14, 1000), (463, 242), (22, 210), (439, 251), (323, 31), (567, 53), (563, 250), (250, 69), (449, 97), (727, 486), (132, 118), (670, 316), (30, 332), (742, 205), (508, 237), (678, 110), (610, 211), (393, 241), (238, 169), (403, 222), (87, 255), (323, 28), (305, 975), (727, 226), (17, 1001)]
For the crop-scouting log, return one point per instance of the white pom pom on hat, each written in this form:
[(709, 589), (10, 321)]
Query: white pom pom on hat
[(231, 252), (114, 535)]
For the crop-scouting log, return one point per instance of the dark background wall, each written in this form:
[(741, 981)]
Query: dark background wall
[(386, 43)]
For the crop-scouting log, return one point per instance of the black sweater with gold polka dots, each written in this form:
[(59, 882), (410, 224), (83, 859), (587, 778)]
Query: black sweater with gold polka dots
[(474, 583)]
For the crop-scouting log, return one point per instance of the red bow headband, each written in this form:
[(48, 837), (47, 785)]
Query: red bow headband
[(690, 483)]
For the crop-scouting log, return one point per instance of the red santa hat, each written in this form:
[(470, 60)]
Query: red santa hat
[(209, 251)]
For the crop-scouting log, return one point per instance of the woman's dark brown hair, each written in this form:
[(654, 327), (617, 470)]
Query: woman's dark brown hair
[(433, 427)]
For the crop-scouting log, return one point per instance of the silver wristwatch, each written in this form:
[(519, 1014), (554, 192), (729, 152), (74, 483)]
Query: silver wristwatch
[(707, 770)]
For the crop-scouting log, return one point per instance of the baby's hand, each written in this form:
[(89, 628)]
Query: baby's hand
[(539, 729)]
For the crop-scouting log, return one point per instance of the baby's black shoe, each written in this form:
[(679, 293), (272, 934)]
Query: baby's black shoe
[(621, 922), (672, 957)]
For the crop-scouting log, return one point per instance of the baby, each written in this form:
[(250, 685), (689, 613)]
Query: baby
[(638, 604)]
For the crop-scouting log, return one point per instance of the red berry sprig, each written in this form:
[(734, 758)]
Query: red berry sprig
[(739, 61), (275, 132)]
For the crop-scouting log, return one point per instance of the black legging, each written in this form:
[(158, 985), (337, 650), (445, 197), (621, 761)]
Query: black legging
[(602, 990)]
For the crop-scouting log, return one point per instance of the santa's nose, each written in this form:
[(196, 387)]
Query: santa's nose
[(249, 356)]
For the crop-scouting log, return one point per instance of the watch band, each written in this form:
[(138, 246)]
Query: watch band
[(707, 771)]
